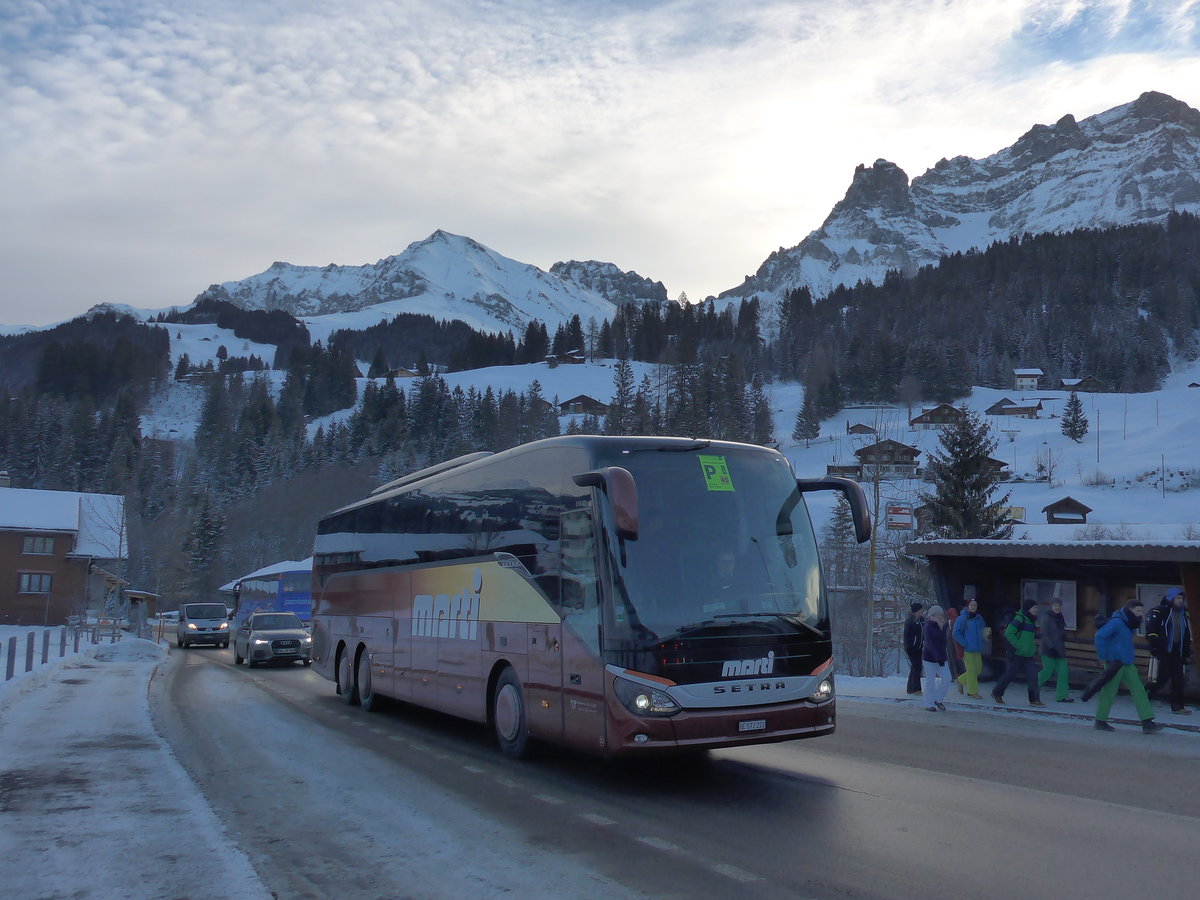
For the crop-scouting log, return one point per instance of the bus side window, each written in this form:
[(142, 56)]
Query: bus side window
[(578, 548)]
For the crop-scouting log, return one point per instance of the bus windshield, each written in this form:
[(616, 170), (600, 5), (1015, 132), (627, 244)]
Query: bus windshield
[(723, 537)]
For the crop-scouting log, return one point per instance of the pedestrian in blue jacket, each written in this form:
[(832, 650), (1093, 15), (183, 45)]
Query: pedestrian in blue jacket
[(1114, 642), (971, 632)]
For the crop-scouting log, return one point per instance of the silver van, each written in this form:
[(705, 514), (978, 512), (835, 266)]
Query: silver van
[(202, 623)]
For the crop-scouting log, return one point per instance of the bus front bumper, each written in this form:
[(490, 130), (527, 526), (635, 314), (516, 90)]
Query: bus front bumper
[(706, 729)]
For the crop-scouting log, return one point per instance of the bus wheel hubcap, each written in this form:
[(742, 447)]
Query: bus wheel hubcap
[(508, 712)]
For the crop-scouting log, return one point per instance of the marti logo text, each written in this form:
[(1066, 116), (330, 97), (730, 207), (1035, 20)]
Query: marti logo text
[(448, 615)]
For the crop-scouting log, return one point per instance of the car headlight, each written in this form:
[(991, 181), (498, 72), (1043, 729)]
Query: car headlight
[(192, 625), (224, 625), (260, 642), (644, 701), (308, 639), (823, 692)]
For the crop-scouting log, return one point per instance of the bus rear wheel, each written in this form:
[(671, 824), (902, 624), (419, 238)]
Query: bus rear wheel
[(346, 688), (508, 715), (367, 698)]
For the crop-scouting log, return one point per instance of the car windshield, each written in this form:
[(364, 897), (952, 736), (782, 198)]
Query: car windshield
[(205, 610), (724, 535), (275, 622)]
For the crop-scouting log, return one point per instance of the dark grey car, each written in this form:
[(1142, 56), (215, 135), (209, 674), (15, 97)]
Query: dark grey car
[(272, 637)]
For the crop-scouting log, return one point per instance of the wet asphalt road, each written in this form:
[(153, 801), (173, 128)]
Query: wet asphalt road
[(898, 803)]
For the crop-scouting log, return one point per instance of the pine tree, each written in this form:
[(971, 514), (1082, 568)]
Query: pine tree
[(1074, 422), (760, 409), (808, 425), (620, 411), (964, 481), (379, 366)]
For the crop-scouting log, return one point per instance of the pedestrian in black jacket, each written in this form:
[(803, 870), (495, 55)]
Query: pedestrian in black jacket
[(1054, 651), (913, 640), (1169, 634)]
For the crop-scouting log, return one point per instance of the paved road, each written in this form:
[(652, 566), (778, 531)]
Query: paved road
[(899, 803)]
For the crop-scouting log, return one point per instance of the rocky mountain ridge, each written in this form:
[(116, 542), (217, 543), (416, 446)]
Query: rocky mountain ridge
[(1133, 163)]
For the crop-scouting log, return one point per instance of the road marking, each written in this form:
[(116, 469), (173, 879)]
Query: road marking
[(659, 844), (734, 872), (549, 798), (379, 730), (597, 819), (506, 782), (475, 769)]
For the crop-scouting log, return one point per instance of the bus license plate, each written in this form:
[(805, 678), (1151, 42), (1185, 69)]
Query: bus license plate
[(752, 725)]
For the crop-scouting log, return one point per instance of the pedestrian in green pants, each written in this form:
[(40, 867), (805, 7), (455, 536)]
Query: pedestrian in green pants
[(1054, 652), (1114, 645)]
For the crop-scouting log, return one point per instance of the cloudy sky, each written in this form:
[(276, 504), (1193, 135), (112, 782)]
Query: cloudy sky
[(149, 148)]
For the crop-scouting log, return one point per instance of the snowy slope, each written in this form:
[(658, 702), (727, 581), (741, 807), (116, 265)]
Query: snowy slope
[(445, 276), (1116, 468), (1134, 163)]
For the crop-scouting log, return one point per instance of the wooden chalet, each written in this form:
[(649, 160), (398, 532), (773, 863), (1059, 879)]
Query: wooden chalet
[(1067, 511), (1022, 410), (889, 458), (941, 415), (859, 428), (1085, 385), (583, 404), (1088, 577)]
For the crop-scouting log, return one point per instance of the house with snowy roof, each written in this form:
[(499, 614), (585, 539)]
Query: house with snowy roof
[(1088, 384), (60, 553), (1027, 379)]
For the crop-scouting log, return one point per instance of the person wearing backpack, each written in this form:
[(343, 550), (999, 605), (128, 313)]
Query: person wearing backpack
[(1021, 634), (970, 633), (1114, 642), (1054, 652), (1169, 634)]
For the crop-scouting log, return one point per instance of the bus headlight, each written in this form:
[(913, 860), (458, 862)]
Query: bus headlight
[(644, 701), (823, 692)]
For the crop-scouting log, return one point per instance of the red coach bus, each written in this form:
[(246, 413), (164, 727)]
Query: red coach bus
[(614, 594)]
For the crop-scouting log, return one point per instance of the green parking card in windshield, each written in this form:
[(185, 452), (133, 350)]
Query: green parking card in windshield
[(716, 473)]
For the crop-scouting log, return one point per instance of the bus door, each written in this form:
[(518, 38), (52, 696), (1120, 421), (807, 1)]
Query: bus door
[(582, 663)]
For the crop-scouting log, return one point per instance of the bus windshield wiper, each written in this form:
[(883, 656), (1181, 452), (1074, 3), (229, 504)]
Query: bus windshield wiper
[(694, 445), (791, 617)]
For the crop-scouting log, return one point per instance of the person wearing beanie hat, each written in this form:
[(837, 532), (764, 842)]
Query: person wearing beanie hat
[(1114, 643), (1169, 634), (1021, 633), (913, 639), (934, 656)]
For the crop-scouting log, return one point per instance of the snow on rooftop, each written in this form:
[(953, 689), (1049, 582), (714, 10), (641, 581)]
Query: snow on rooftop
[(97, 520)]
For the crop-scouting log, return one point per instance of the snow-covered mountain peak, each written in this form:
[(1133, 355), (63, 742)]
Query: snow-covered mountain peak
[(1133, 163), (447, 276)]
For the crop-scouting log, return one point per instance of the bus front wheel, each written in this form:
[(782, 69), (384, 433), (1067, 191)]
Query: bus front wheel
[(508, 715), (367, 698), (345, 679)]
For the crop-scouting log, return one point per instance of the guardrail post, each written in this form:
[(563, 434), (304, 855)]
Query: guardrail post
[(12, 657), (29, 652), (76, 630), (45, 646), (62, 643)]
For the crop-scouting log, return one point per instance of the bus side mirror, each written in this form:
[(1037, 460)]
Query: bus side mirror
[(621, 490), (855, 495)]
